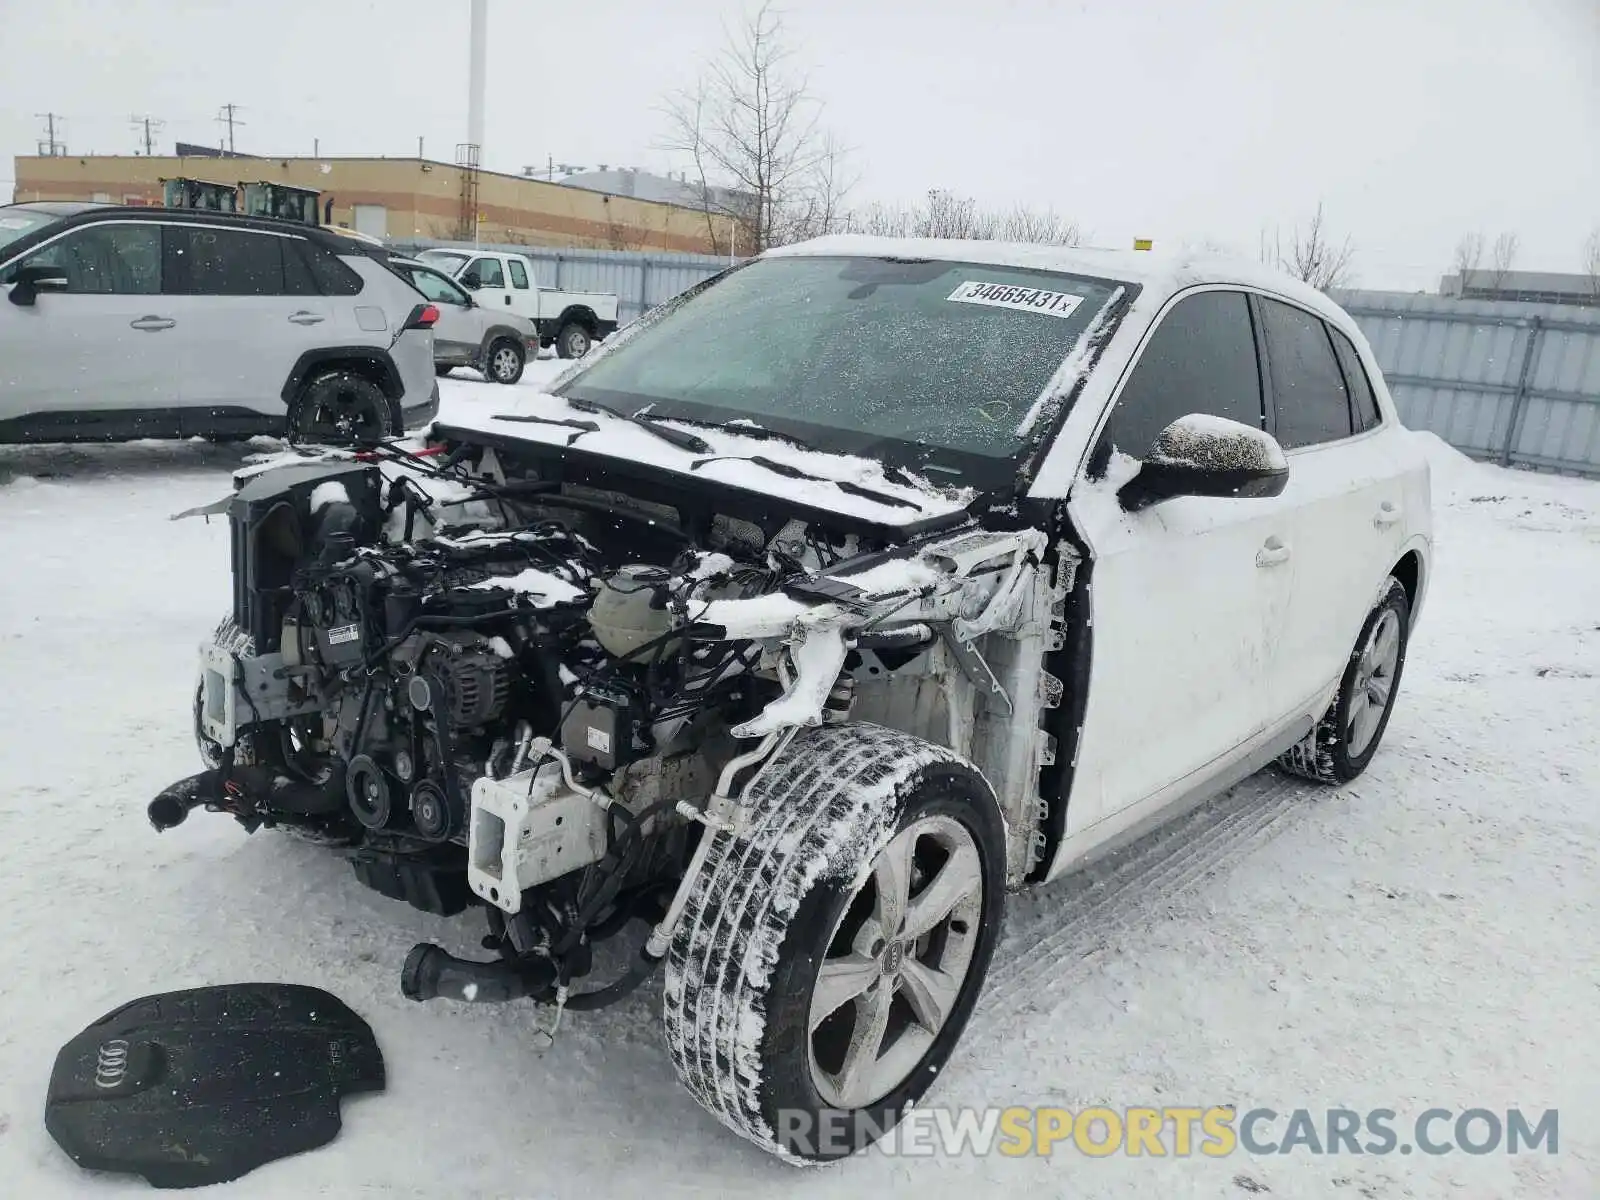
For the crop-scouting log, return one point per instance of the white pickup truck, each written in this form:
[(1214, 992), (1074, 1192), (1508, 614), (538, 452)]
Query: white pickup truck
[(569, 321)]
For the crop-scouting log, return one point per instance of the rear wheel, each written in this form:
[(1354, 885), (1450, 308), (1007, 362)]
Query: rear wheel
[(442, 369), (1347, 737), (829, 958), (573, 341), (505, 361), (338, 407)]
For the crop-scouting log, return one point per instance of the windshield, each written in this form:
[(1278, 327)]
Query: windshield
[(18, 222), (934, 364), (449, 260)]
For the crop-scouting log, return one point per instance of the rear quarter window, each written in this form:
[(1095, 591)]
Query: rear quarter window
[(1363, 402), (1308, 390), (333, 277)]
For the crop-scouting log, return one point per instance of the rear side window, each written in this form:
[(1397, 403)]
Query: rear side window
[(1200, 359), (106, 260), (225, 262), (488, 272), (332, 276), (519, 277), (297, 277), (1308, 392), (1363, 404)]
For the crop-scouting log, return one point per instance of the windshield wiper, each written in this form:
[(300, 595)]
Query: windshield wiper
[(647, 421), (585, 426), (793, 472), (758, 432)]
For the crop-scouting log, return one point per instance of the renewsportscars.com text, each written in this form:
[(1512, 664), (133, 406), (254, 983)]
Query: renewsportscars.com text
[(1170, 1131)]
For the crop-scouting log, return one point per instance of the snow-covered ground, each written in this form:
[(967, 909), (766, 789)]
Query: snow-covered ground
[(1425, 937)]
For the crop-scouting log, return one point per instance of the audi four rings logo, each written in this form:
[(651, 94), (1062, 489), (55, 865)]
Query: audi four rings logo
[(112, 1064)]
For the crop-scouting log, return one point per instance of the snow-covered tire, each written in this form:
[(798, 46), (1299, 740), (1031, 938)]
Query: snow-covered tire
[(1332, 753), (763, 913)]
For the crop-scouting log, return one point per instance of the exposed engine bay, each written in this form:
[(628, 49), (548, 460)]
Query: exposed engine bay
[(491, 683)]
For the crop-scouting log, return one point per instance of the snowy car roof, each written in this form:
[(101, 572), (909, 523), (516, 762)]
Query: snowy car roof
[(1160, 273)]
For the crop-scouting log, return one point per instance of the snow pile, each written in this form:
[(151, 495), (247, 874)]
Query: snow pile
[(331, 492), (544, 589), (1444, 459)]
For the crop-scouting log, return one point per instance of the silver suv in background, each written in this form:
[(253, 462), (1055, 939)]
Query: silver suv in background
[(468, 334), (137, 322)]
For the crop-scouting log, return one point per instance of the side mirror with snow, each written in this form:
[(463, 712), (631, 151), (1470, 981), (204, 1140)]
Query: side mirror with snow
[(1201, 455)]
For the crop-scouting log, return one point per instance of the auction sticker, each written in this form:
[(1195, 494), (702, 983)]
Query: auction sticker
[(1023, 299)]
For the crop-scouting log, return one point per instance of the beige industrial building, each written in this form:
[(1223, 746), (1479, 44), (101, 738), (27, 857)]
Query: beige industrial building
[(397, 198)]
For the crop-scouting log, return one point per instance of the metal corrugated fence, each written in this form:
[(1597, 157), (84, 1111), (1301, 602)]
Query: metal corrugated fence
[(1518, 384), (640, 280), (1515, 383)]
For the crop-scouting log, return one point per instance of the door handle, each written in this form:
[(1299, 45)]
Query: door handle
[(152, 324), (1388, 513), (306, 318), (1273, 551), (508, 299)]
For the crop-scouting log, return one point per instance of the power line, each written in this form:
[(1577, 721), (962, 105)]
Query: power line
[(151, 127), (226, 117), (50, 147)]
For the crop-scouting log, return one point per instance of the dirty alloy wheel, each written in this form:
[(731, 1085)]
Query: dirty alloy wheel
[(829, 958), (340, 407), (573, 341), (1348, 735), (505, 361)]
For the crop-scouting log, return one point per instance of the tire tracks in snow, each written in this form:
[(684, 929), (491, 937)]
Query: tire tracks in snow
[(1057, 939)]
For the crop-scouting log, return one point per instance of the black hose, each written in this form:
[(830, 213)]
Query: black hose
[(641, 970), (607, 891), (431, 973)]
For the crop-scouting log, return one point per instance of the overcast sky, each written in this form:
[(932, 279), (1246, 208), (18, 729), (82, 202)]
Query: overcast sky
[(1182, 120)]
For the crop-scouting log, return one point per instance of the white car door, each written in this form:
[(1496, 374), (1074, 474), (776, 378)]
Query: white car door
[(524, 292), (1187, 596), (1344, 487), (493, 291), (249, 309), (106, 344)]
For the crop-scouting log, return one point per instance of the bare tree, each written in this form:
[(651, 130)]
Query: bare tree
[(1501, 256), (1468, 256), (1311, 254), (1045, 226), (947, 215), (1591, 262), (884, 220), (766, 171)]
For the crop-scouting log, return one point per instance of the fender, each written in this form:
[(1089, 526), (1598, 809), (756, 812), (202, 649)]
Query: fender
[(376, 362)]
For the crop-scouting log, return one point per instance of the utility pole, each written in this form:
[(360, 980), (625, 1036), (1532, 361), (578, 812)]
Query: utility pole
[(50, 147), (420, 154), (226, 117), (151, 127)]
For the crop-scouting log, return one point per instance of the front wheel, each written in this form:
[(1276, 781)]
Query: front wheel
[(829, 958), (505, 361), (573, 341), (1347, 737)]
